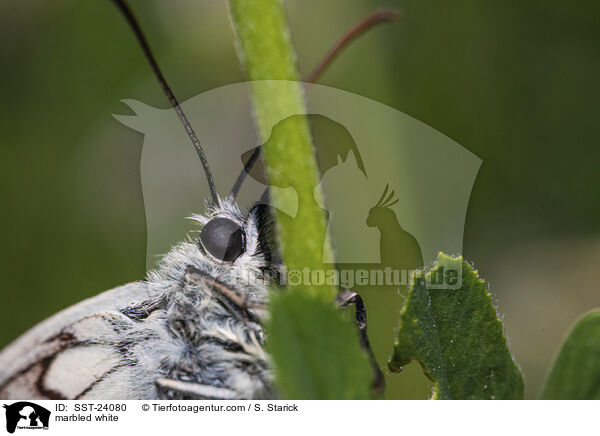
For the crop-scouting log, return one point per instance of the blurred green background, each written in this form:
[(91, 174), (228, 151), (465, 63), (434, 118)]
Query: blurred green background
[(513, 82)]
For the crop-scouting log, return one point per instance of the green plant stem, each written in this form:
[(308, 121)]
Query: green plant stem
[(265, 48)]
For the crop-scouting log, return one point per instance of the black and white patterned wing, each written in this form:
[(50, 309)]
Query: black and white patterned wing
[(85, 351)]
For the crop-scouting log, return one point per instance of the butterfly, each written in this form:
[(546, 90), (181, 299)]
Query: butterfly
[(193, 329)]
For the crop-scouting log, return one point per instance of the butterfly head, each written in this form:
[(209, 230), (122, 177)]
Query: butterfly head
[(231, 241)]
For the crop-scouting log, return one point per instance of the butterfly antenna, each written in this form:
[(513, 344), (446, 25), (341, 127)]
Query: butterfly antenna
[(376, 17), (134, 25), (244, 173)]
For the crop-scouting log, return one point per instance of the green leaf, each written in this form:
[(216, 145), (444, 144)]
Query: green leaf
[(457, 338), (576, 371), (315, 349)]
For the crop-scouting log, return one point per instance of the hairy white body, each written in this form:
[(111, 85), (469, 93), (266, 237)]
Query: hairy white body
[(190, 322)]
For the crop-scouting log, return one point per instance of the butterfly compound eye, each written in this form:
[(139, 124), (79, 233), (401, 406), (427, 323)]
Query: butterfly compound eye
[(223, 239)]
